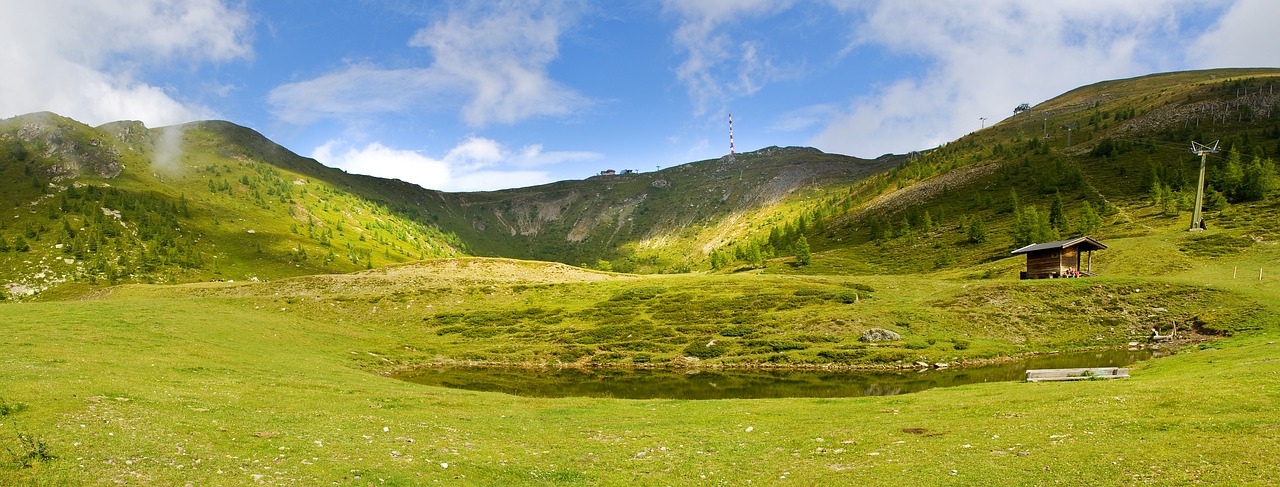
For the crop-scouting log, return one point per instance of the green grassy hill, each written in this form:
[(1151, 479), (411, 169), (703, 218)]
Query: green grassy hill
[(1110, 160), (212, 200), (216, 201), (122, 203)]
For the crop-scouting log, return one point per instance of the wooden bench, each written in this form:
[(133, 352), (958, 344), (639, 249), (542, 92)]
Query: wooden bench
[(1045, 375)]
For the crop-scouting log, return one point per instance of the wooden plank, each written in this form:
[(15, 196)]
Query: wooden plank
[(1047, 375)]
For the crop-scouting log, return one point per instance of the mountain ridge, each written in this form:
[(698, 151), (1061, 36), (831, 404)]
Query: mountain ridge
[(237, 205)]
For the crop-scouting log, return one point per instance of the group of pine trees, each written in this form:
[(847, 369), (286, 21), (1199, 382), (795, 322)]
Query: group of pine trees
[(1031, 226), (111, 230), (787, 239)]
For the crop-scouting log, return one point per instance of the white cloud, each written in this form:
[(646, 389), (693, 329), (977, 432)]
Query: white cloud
[(475, 164), (378, 160), (490, 63), (803, 118), (355, 91), (1243, 37), (85, 60), (718, 67), (984, 58)]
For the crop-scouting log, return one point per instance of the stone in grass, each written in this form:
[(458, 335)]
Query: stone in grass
[(879, 335)]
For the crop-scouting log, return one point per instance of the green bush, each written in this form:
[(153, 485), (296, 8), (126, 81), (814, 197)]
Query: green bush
[(570, 354), (607, 358), (706, 350), (737, 331), (810, 292), (847, 297), (857, 286)]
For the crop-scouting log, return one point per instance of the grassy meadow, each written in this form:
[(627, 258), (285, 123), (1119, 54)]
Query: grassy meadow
[(280, 383)]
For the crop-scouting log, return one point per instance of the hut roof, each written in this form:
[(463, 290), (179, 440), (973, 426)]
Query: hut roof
[(1085, 243)]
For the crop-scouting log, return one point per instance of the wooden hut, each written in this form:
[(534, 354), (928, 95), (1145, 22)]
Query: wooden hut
[(1060, 259)]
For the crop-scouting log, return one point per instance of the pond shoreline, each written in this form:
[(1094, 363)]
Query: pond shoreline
[(693, 364)]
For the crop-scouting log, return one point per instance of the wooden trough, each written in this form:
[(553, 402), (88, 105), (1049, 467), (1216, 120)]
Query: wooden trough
[(1046, 375)]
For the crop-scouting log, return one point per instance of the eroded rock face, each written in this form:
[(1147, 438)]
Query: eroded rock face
[(77, 151), (879, 335)]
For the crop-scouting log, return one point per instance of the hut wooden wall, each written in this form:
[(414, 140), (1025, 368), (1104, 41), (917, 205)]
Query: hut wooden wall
[(1044, 263)]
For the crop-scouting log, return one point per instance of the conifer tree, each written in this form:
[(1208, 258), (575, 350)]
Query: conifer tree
[(803, 256), (754, 257), (976, 230), (1257, 180), (1057, 217), (1090, 222)]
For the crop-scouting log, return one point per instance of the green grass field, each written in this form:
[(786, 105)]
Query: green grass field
[(279, 383)]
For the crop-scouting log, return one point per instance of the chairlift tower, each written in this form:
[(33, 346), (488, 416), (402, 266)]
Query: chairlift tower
[(1197, 222)]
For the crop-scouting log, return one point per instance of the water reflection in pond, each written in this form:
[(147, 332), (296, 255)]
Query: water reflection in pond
[(743, 384)]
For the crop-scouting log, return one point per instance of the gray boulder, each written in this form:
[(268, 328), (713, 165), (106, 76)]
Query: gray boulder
[(879, 335)]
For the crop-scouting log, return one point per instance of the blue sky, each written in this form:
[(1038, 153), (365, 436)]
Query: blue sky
[(481, 95)]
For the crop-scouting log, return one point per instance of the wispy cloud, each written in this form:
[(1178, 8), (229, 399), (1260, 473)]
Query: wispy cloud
[(489, 62), (87, 60), (803, 118), (719, 67), (984, 58), (475, 164)]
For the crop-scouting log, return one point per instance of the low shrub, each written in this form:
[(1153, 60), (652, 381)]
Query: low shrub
[(916, 345), (706, 350)]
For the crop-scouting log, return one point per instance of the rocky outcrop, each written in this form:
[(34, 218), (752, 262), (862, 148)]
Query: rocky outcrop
[(879, 335)]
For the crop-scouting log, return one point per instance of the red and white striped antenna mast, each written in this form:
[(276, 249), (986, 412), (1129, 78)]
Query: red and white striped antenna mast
[(730, 134)]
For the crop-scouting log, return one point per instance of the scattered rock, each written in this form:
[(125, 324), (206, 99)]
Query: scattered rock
[(879, 335)]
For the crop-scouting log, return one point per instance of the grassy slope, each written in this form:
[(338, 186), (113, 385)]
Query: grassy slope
[(224, 388), (1151, 119), (223, 209)]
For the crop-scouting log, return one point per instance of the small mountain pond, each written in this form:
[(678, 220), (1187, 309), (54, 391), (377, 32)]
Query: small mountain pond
[(628, 383)]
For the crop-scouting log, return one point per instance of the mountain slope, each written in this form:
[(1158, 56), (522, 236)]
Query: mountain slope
[(1120, 148), (122, 203), (213, 200)]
